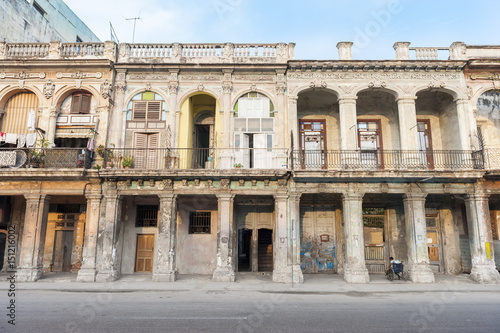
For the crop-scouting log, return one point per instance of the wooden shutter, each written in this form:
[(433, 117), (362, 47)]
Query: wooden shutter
[(140, 145), (154, 110), (85, 104), (139, 111), (75, 105), (152, 158)]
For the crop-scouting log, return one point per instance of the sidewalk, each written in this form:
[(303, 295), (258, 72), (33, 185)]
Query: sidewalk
[(253, 282)]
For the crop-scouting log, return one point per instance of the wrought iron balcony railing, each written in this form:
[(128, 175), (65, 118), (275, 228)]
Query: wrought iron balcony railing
[(195, 158), (47, 158), (440, 160)]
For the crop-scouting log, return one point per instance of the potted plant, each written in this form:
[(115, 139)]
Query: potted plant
[(109, 156), (38, 154), (100, 150), (127, 162), (238, 165)]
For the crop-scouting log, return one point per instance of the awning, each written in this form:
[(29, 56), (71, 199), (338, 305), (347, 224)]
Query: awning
[(72, 132)]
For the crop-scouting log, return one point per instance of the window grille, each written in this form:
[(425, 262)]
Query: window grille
[(200, 222), (373, 217), (147, 216)]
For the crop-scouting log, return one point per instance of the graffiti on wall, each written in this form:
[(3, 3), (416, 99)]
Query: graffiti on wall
[(316, 258)]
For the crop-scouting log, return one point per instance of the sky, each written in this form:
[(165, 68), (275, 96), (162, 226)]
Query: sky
[(316, 26)]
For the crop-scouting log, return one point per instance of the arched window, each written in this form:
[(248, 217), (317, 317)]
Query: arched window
[(146, 107)]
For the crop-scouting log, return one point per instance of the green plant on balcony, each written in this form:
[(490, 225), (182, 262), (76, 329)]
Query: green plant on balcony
[(38, 154), (100, 150), (238, 165), (127, 162)]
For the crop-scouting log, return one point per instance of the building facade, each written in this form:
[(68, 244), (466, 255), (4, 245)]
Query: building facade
[(41, 21), (169, 159)]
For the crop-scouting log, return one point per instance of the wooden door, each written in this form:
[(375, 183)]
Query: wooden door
[(144, 253), (370, 143), (433, 239), (63, 246), (425, 142), (146, 151)]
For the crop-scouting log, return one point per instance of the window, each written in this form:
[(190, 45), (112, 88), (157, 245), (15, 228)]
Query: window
[(147, 216), (200, 222), (39, 9), (78, 39), (80, 103), (146, 110)]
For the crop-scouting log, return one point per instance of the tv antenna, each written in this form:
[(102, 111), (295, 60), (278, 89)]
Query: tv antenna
[(135, 21)]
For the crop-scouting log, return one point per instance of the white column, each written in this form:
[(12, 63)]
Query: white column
[(355, 268), (282, 243), (463, 127), (348, 128), (51, 133), (87, 272), (416, 230), (408, 131), (293, 123), (35, 227), (224, 272), (294, 252), (481, 239), (164, 262), (109, 232), (116, 118)]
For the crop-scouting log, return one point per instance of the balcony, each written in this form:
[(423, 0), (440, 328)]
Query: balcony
[(45, 158), (387, 160), (195, 158)]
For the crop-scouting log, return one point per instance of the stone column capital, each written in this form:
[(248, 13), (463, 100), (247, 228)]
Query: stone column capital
[(281, 197), (225, 197), (461, 101), (93, 196), (36, 197), (353, 196), (347, 100), (167, 196), (407, 100), (476, 196), (414, 196), (293, 99)]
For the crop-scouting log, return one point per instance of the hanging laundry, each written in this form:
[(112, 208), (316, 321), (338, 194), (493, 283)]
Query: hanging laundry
[(21, 141), (30, 124), (90, 144), (11, 138), (2, 136), (30, 140)]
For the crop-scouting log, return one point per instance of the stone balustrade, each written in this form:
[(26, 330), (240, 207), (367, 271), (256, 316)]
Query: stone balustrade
[(57, 50)]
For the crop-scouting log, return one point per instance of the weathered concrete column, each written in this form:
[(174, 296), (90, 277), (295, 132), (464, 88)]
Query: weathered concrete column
[(35, 227), (481, 239), (51, 132), (463, 110), (116, 120), (109, 233), (294, 239), (402, 50), (282, 270), (345, 50), (293, 123), (224, 272), (408, 131), (348, 124), (416, 229), (355, 268), (87, 272), (226, 155), (280, 156), (164, 256), (173, 87)]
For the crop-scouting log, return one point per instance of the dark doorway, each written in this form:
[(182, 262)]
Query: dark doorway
[(265, 250), (3, 238), (63, 247), (202, 137), (244, 250)]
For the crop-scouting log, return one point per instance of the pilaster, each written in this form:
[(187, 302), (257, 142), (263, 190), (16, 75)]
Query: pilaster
[(463, 125), (53, 114), (294, 248), (348, 123), (481, 239), (355, 268), (87, 272), (416, 230), (116, 118), (35, 227), (293, 123), (109, 233), (224, 272), (164, 257)]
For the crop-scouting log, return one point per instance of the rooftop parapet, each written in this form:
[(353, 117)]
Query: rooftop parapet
[(57, 50), (456, 51), (206, 53)]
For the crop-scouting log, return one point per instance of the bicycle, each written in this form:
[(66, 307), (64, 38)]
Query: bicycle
[(396, 269)]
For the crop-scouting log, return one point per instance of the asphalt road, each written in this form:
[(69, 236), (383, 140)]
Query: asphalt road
[(189, 311)]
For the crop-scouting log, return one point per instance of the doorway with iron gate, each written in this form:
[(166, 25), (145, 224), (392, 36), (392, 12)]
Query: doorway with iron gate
[(254, 216)]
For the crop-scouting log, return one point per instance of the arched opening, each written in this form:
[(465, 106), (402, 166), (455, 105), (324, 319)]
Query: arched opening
[(199, 125), (254, 131), (488, 119), (437, 121), (376, 111), (76, 119), (18, 121), (318, 127), (143, 133)]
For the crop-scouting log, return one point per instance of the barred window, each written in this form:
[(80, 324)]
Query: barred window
[(147, 216), (200, 222)]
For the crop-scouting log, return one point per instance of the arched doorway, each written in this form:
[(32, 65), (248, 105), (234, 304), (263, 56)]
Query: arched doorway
[(203, 139)]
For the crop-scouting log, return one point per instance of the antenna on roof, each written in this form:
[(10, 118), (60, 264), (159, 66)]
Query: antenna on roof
[(114, 37), (135, 21)]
